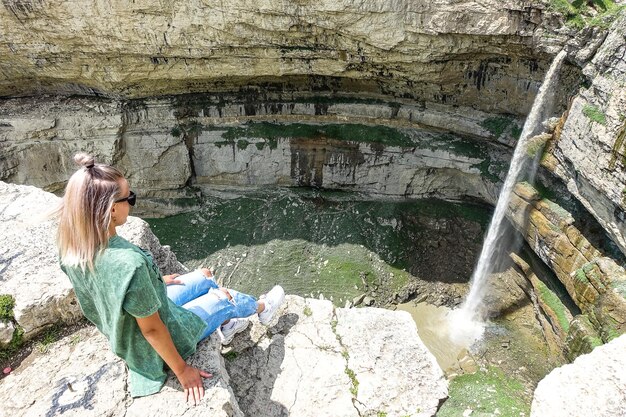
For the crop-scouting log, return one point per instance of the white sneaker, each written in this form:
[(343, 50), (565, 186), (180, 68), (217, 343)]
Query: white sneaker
[(229, 330), (273, 300)]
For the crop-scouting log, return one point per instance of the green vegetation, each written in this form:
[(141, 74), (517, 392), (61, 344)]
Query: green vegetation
[(272, 132), (176, 131), (242, 144), (7, 302), (50, 336), (559, 211), (581, 276), (381, 414), (332, 242), (355, 382), (554, 303), (14, 346), (307, 311), (594, 113), (582, 13), (497, 125), (231, 355), (487, 393), (535, 145)]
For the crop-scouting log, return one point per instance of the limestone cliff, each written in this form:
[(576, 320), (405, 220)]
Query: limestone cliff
[(428, 51)]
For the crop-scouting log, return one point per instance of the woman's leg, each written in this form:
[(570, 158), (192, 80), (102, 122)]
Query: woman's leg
[(215, 308), (195, 284)]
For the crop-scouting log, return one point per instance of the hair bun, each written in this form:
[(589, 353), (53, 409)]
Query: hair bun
[(84, 160)]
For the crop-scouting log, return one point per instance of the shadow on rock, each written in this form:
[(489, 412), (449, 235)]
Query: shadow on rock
[(253, 369)]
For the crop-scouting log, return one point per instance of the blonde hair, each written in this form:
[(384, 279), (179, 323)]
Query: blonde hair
[(85, 212)]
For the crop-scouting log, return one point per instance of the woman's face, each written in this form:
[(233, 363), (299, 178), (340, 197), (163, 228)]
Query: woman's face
[(120, 210)]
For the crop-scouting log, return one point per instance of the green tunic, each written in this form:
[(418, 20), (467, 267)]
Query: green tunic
[(126, 284)]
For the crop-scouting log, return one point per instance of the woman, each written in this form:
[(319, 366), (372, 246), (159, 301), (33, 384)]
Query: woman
[(121, 290)]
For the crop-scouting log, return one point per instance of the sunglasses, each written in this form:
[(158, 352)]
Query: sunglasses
[(132, 199)]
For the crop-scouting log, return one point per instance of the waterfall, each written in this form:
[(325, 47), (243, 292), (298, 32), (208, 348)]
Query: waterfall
[(472, 311)]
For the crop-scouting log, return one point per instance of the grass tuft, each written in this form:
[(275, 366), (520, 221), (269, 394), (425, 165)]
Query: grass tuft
[(594, 113), (7, 302)]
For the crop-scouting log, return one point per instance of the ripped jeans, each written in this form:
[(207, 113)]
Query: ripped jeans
[(201, 295)]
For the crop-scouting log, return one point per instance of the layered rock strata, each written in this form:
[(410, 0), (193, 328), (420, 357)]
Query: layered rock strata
[(434, 52), (164, 145), (589, 155), (594, 282)]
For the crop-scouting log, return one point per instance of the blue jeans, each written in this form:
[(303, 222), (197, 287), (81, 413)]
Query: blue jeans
[(202, 296)]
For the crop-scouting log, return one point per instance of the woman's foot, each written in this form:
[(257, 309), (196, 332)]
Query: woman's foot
[(272, 302), (230, 329)]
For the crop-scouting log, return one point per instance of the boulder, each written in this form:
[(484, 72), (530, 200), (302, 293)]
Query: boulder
[(593, 385), (79, 376), (29, 267), (321, 360), (6, 333)]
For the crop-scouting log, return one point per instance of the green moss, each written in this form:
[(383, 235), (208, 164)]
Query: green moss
[(496, 125), (581, 276), (594, 113), (559, 211), (231, 355), (381, 414), (354, 389), (50, 336), (272, 132), (7, 302), (551, 300), (580, 13), (535, 145), (485, 392), (545, 192), (14, 346), (176, 131), (242, 144), (307, 311)]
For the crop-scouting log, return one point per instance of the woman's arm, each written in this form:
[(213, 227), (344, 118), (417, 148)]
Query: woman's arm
[(156, 333)]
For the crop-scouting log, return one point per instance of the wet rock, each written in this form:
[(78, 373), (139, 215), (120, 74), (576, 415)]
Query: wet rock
[(466, 362), (591, 279), (368, 301), (358, 300), (593, 385)]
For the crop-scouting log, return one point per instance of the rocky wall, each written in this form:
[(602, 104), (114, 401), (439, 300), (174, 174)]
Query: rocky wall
[(165, 145), (479, 54), (590, 153), (594, 282)]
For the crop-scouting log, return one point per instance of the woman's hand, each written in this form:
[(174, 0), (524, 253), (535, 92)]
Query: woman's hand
[(171, 279), (191, 380)]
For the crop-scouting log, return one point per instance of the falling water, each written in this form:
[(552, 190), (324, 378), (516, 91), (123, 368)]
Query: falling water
[(472, 313)]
